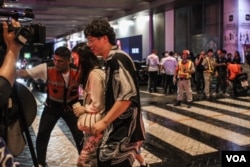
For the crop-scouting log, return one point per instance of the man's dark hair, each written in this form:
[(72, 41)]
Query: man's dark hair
[(171, 53), (63, 52), (99, 28), (224, 51), (210, 50)]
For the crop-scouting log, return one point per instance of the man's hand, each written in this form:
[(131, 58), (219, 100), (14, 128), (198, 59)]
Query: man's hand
[(99, 127), (8, 68), (9, 37), (174, 79)]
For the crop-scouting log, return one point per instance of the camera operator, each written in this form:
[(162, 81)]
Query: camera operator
[(7, 78), (8, 68)]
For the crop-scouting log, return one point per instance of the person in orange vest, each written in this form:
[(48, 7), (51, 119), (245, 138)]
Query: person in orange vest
[(208, 64), (183, 75), (62, 80), (233, 69)]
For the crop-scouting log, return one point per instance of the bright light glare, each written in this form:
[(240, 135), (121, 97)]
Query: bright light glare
[(18, 65), (115, 26), (142, 19), (125, 23)]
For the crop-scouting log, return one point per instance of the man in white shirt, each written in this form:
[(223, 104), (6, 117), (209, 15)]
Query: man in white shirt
[(152, 63), (169, 65)]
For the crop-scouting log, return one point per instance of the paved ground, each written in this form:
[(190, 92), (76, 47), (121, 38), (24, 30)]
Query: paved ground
[(176, 136)]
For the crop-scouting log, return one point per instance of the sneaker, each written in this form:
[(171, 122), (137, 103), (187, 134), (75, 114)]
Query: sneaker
[(189, 105), (177, 103), (226, 94)]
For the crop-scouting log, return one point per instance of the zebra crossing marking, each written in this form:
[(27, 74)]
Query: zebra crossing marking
[(211, 129), (153, 93), (178, 140), (220, 116), (234, 101), (227, 107)]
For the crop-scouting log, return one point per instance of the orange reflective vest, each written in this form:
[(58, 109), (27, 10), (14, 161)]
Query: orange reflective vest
[(57, 90), (182, 69)]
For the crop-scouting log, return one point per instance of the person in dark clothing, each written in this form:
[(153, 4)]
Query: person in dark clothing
[(237, 58), (199, 78), (153, 66), (229, 58), (221, 71), (62, 80)]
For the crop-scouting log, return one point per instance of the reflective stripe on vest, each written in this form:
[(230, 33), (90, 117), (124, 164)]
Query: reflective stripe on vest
[(57, 90), (182, 68), (210, 67)]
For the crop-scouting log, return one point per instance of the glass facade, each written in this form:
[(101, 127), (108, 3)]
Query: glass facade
[(199, 26)]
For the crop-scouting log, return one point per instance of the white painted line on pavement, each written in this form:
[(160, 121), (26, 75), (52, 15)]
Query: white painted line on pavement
[(201, 126)]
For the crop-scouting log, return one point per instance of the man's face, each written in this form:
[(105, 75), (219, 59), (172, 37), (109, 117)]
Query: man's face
[(61, 64), (219, 52), (210, 54), (96, 45), (184, 56)]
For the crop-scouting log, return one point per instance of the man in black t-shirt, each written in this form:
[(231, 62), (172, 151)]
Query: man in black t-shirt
[(221, 71)]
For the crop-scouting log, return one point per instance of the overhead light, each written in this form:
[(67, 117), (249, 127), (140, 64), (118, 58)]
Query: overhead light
[(124, 23)]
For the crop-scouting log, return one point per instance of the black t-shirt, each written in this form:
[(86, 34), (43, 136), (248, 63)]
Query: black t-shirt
[(5, 91), (199, 67), (221, 60)]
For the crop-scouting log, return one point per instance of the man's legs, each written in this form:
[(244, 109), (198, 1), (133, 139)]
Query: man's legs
[(189, 94), (71, 120), (155, 80), (171, 84), (180, 91), (48, 120), (150, 81), (207, 79)]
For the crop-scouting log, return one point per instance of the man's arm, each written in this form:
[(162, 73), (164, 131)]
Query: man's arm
[(8, 68), (118, 108), (22, 74)]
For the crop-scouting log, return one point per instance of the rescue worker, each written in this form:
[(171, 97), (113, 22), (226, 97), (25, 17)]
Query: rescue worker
[(208, 64), (183, 74), (62, 80)]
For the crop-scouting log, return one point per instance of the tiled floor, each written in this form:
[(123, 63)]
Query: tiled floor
[(176, 136)]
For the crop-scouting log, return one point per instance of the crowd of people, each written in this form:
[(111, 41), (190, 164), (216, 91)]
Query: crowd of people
[(78, 91), (185, 73)]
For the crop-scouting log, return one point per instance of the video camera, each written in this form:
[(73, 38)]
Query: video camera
[(27, 33)]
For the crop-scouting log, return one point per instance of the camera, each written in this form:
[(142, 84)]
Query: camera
[(27, 33)]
